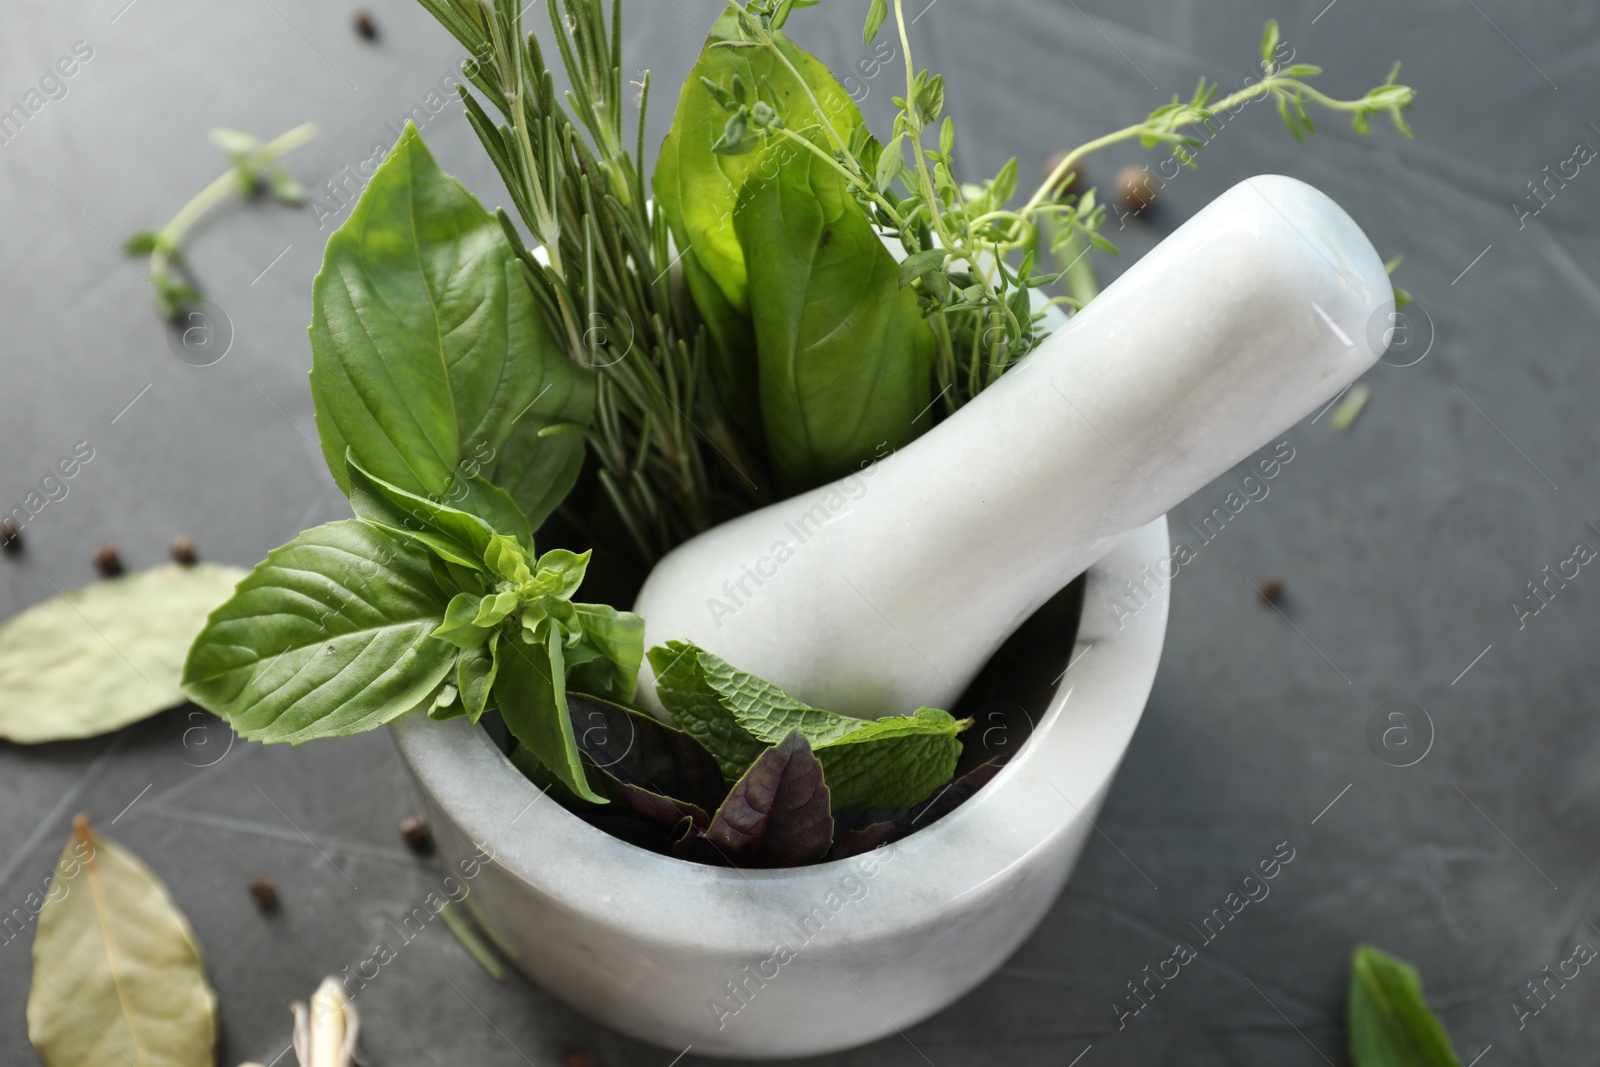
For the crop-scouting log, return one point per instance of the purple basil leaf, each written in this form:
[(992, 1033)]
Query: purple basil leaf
[(854, 842), (659, 808), (663, 774), (776, 815), (863, 831), (634, 829)]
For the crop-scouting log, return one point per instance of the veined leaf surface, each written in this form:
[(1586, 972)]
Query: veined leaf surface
[(117, 977), (98, 658), (430, 361), (328, 637)]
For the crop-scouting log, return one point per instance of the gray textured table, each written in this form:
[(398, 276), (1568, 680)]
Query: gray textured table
[(1403, 542)]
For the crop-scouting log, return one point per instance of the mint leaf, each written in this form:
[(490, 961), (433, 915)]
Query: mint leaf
[(697, 708), (893, 762), (777, 815), (862, 831), (769, 714), (1390, 1024), (328, 637)]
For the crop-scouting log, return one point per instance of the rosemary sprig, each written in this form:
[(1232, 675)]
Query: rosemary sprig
[(666, 458)]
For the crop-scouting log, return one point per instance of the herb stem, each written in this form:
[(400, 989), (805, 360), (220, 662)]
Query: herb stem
[(914, 127), (1270, 84), (172, 234), (771, 45), (866, 188)]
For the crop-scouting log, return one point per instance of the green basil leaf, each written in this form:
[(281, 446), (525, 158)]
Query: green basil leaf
[(733, 343), (109, 654), (493, 609), (460, 626), (452, 535), (454, 578), (328, 637), (618, 638), (117, 976), (536, 472), (699, 189), (1390, 1024), (560, 571), (508, 559), (843, 351), (475, 674), (530, 691), (875, 16), (429, 355), (778, 814), (537, 773), (478, 496)]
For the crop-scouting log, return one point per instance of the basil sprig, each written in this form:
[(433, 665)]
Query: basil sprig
[(437, 391)]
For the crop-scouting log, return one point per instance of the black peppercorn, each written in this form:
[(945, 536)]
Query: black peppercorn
[(1136, 188), (417, 834), (1272, 590), (183, 551), (366, 28), (107, 562), (264, 893), (10, 536)]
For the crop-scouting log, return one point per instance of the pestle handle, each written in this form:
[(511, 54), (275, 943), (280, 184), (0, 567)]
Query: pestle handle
[(889, 589)]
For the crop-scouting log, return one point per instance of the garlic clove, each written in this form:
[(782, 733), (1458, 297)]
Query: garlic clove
[(326, 1031)]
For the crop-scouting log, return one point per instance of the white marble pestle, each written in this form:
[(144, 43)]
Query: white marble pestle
[(889, 589)]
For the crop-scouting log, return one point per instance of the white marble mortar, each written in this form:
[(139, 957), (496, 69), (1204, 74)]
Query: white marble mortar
[(649, 944)]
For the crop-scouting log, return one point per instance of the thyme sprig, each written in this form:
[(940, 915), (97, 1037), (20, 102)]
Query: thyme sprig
[(254, 164), (962, 241)]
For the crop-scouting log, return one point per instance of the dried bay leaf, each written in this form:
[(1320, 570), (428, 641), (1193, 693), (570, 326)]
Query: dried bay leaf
[(117, 978), (98, 658)]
